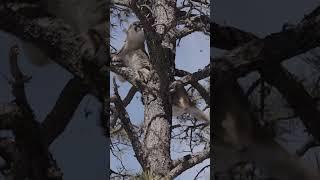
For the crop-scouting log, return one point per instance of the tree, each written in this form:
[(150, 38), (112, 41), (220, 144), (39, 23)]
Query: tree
[(27, 153), (165, 23), (247, 53)]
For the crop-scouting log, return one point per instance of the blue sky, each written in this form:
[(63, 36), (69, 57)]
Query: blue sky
[(192, 54)]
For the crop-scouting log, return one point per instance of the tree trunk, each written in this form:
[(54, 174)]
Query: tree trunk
[(157, 120)]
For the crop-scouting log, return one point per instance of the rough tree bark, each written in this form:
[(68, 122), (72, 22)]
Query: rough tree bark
[(157, 107)]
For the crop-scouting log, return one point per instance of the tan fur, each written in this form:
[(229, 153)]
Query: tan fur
[(133, 53), (182, 104)]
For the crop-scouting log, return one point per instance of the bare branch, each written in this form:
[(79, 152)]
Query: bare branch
[(19, 79), (274, 48), (126, 101), (121, 2), (57, 40), (202, 169), (61, 114), (295, 94), (28, 132), (192, 78), (206, 2), (124, 117), (187, 162), (203, 92), (226, 37), (193, 24)]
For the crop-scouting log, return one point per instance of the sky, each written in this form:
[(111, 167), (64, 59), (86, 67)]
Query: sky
[(191, 55)]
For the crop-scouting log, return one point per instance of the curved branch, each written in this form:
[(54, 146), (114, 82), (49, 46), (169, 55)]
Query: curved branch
[(126, 101), (128, 126), (56, 39), (274, 48), (226, 37), (194, 77), (187, 162), (203, 92), (28, 132), (61, 114)]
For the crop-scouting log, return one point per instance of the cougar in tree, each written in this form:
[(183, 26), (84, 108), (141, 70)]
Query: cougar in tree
[(134, 55)]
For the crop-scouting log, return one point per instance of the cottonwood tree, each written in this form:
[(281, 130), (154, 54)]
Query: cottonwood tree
[(27, 154), (247, 53), (165, 23)]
